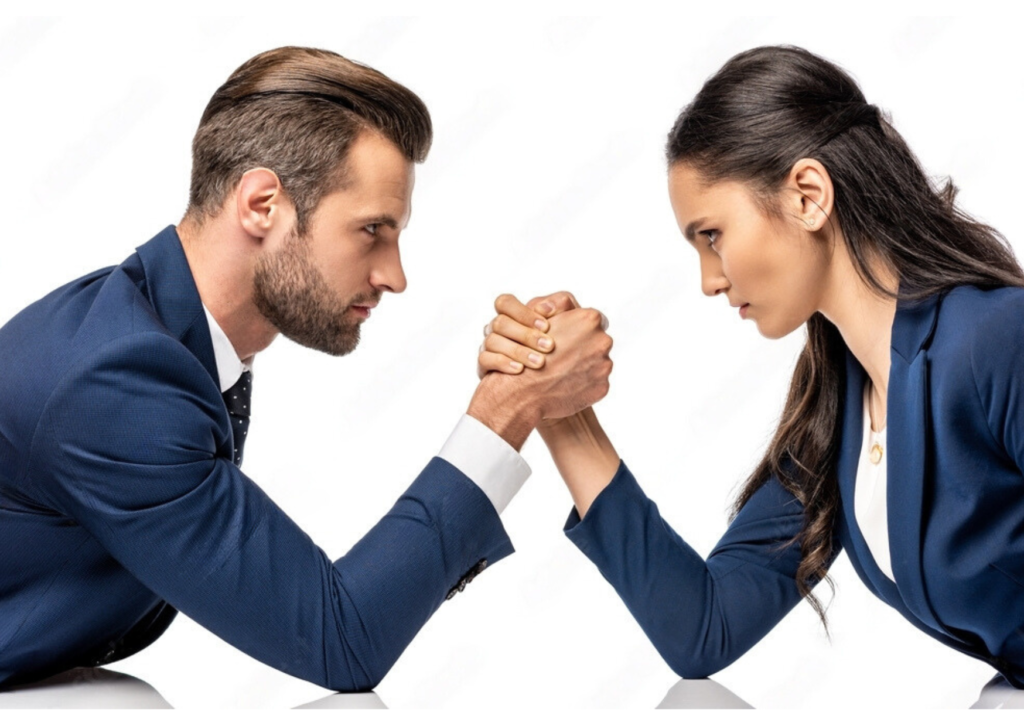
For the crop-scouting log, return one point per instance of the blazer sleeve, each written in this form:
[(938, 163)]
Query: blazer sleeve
[(997, 363), (129, 447), (700, 615)]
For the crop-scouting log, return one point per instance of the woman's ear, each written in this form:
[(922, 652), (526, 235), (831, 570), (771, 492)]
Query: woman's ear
[(815, 195)]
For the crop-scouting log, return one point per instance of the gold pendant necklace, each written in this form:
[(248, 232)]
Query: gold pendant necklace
[(876, 449)]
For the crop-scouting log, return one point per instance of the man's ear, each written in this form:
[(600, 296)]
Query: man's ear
[(815, 194), (261, 202)]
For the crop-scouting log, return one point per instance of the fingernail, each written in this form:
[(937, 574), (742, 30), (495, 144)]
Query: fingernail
[(544, 343), (534, 358), (487, 330), (541, 325), (547, 308), (516, 366)]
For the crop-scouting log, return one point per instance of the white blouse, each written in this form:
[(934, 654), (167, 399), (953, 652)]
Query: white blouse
[(869, 506)]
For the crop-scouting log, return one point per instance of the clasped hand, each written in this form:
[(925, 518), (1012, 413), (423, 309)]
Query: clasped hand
[(555, 335)]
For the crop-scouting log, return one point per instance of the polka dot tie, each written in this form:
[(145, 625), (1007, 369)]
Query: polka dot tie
[(237, 398)]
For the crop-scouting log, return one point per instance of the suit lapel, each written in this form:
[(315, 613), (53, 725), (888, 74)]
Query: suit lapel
[(907, 457), (172, 291), (906, 461)]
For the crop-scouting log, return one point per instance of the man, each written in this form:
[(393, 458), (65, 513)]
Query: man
[(124, 404)]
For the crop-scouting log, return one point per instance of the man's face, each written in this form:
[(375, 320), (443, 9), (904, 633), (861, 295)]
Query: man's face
[(318, 289)]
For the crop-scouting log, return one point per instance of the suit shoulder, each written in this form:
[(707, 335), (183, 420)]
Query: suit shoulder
[(983, 332), (983, 306), (973, 321)]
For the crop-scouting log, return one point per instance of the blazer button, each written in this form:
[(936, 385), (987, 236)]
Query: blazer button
[(467, 578)]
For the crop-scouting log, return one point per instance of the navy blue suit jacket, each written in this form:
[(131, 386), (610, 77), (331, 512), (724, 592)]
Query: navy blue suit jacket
[(955, 507), (119, 502)]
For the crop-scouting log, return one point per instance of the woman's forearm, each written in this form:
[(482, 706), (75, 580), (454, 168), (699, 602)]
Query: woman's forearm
[(583, 454)]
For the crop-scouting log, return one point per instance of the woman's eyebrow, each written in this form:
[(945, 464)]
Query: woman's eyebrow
[(691, 229)]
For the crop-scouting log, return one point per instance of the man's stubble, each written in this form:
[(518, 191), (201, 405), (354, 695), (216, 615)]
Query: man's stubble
[(291, 293)]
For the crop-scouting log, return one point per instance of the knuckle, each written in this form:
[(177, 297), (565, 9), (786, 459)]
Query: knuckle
[(501, 324), (503, 301)]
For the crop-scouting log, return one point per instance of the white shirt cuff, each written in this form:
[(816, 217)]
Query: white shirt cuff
[(487, 459)]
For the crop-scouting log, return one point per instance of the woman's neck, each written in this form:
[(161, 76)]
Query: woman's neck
[(864, 319)]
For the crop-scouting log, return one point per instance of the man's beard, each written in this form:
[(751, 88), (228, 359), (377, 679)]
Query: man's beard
[(292, 294)]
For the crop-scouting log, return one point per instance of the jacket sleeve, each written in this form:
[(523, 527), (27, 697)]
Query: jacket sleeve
[(133, 445), (700, 615)]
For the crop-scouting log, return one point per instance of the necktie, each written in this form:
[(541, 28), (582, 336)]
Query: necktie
[(237, 399)]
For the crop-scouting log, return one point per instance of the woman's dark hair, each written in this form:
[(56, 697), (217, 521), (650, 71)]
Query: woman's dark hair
[(764, 110)]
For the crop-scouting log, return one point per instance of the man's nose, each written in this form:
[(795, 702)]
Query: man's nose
[(388, 275)]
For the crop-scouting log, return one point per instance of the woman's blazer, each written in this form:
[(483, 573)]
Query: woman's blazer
[(955, 507)]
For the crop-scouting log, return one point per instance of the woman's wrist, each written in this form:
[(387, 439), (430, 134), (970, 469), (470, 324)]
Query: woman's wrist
[(583, 454)]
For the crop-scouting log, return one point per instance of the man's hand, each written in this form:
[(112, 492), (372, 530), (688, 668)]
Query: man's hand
[(569, 377), (519, 337)]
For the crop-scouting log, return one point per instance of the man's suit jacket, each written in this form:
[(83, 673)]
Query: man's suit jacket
[(955, 507), (119, 502)]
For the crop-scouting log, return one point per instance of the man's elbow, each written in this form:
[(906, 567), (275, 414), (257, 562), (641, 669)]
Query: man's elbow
[(345, 673), (350, 685)]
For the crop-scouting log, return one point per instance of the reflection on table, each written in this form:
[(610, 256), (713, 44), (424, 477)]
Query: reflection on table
[(85, 688), (102, 688), (705, 693), (998, 693), (702, 693), (347, 701)]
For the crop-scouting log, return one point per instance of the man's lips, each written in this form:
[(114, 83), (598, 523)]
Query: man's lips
[(364, 309)]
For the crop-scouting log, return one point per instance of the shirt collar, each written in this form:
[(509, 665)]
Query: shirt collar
[(229, 366)]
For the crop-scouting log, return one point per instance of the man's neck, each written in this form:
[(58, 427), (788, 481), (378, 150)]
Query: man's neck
[(222, 260)]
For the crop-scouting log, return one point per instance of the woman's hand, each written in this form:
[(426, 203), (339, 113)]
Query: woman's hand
[(518, 338)]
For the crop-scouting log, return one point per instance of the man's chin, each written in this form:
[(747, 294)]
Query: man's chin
[(336, 345)]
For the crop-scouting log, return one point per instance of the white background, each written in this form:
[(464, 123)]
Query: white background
[(547, 173)]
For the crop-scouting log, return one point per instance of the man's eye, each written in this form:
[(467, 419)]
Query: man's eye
[(372, 228), (711, 235)]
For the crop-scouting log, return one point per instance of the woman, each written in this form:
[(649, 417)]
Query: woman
[(902, 438)]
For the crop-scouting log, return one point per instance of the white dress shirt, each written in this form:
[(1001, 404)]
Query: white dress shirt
[(475, 450)]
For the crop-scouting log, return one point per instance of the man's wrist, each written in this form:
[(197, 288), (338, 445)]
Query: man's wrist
[(500, 405)]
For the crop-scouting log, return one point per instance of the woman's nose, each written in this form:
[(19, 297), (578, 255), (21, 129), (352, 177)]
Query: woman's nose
[(712, 280)]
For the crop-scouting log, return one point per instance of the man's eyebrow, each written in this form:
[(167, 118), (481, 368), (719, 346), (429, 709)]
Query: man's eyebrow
[(691, 229), (386, 219)]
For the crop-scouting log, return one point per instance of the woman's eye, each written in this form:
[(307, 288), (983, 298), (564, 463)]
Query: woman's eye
[(372, 228), (711, 235)]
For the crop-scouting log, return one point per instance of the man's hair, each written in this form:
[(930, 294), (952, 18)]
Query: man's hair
[(297, 111)]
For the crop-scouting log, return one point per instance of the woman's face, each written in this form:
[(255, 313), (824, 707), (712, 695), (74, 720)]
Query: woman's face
[(770, 267)]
